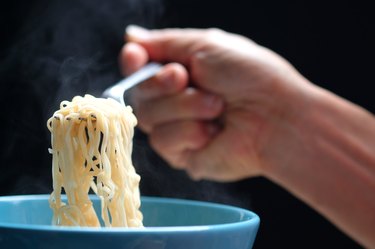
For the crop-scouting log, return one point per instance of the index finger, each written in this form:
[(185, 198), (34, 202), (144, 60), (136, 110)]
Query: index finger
[(132, 57), (171, 79), (169, 44)]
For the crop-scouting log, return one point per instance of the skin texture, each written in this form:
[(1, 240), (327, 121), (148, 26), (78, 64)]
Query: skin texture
[(225, 108)]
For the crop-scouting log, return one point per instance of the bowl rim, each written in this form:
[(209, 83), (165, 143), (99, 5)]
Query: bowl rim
[(253, 219)]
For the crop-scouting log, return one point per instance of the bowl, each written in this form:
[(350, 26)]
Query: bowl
[(25, 222)]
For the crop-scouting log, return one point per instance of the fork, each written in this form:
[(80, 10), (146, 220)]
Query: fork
[(118, 90)]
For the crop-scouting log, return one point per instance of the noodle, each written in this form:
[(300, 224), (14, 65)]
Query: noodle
[(91, 150)]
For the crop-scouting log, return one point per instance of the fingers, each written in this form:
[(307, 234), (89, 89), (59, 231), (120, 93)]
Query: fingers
[(172, 79), (224, 158), (132, 57), (188, 104), (168, 44), (213, 57), (211, 162), (176, 141), (203, 150), (180, 120)]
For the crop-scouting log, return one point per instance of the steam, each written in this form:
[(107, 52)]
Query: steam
[(63, 49), (68, 48)]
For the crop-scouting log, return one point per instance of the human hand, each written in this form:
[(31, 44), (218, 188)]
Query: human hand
[(234, 118), (248, 112)]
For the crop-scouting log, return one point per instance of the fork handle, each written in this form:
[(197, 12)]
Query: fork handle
[(117, 91)]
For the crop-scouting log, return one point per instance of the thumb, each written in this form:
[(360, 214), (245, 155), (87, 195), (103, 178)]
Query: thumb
[(195, 48), (167, 45)]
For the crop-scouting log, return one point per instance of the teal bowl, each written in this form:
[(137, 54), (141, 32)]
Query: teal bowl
[(25, 222)]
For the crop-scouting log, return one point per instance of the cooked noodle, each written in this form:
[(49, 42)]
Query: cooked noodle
[(91, 147)]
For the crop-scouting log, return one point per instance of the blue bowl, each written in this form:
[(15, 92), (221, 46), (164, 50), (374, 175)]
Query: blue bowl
[(25, 222)]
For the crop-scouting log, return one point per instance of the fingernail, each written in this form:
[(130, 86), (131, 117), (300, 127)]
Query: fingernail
[(167, 78), (213, 101), (137, 33)]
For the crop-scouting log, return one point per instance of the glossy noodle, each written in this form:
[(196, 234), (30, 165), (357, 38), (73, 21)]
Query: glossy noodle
[(91, 150)]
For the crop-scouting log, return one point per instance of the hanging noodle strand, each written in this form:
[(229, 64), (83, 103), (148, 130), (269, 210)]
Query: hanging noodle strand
[(92, 141)]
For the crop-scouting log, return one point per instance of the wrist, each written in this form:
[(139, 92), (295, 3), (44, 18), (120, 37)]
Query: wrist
[(286, 140), (328, 162)]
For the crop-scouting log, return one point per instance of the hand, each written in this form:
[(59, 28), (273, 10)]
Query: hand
[(235, 116), (248, 112)]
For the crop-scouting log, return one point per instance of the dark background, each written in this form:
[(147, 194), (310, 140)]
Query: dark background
[(53, 50)]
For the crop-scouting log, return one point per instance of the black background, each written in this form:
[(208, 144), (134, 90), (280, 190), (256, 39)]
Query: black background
[(52, 50)]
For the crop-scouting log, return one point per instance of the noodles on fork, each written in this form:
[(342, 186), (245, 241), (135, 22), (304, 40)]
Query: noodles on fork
[(91, 150)]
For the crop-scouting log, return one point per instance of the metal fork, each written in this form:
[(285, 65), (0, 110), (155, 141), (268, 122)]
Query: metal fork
[(118, 90)]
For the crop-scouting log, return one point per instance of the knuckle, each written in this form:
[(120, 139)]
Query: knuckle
[(155, 142), (195, 135), (214, 31), (144, 127), (213, 34), (195, 172), (191, 100), (201, 105), (166, 150)]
